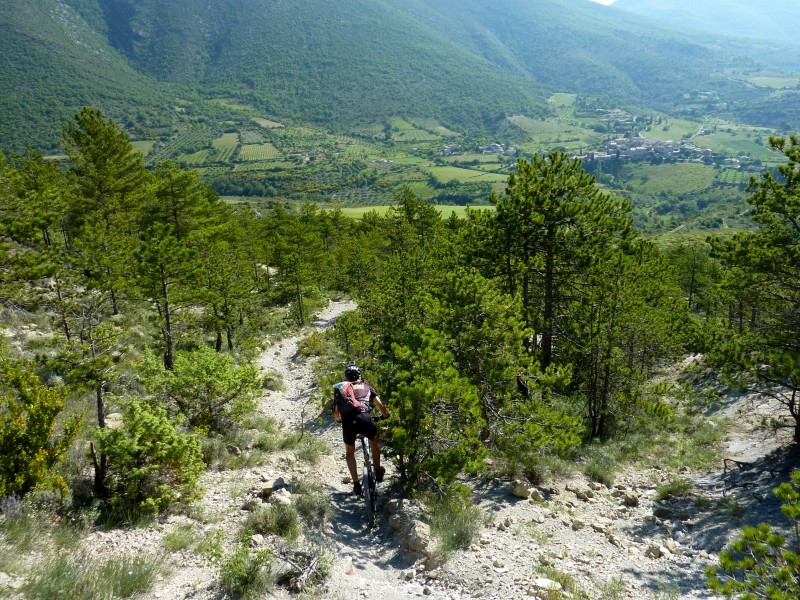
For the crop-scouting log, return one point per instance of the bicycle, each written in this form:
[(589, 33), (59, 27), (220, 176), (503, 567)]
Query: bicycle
[(369, 484)]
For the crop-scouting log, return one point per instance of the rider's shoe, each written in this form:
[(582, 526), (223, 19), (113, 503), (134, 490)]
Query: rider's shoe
[(357, 490), (379, 472)]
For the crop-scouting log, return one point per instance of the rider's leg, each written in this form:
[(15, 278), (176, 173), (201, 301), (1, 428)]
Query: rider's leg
[(350, 459)]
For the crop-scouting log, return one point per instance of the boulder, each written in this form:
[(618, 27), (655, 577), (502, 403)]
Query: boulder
[(520, 489), (281, 496), (417, 537), (536, 495), (630, 499)]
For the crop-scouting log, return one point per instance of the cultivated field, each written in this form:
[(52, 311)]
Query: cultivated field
[(257, 152), (678, 178)]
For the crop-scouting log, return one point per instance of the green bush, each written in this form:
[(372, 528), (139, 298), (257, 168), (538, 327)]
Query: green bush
[(151, 464), (278, 519), (29, 411), (246, 574), (206, 387), (455, 521), (759, 564)]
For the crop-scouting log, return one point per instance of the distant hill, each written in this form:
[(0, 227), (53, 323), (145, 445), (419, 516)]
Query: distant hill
[(775, 20), (465, 63), (52, 62)]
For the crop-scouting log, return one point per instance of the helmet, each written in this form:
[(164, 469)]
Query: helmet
[(352, 372)]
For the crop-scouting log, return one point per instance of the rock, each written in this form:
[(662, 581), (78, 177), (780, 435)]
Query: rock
[(654, 551), (270, 486), (596, 486), (256, 540), (671, 545), (418, 537), (282, 496), (394, 505), (497, 564), (577, 524), (536, 495), (630, 499), (547, 585), (234, 450), (396, 522), (113, 420), (410, 574), (507, 522), (280, 569), (427, 590), (599, 527), (520, 489)]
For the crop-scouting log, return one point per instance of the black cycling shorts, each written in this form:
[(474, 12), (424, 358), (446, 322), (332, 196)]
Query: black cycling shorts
[(355, 424)]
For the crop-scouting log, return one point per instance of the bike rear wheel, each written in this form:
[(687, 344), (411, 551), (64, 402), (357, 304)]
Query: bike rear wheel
[(369, 498)]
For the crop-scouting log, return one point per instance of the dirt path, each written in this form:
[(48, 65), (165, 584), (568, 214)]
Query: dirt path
[(368, 563)]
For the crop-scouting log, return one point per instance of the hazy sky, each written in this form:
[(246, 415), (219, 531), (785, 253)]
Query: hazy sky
[(606, 2)]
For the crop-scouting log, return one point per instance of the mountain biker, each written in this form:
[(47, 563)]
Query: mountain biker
[(351, 407)]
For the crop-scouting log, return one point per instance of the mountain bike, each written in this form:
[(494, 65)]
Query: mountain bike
[(369, 484)]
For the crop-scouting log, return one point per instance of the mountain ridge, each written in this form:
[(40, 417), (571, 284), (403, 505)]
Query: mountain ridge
[(353, 63)]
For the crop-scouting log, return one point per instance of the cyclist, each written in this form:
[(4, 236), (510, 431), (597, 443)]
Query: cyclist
[(351, 407)]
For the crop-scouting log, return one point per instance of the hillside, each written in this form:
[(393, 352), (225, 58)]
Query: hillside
[(351, 63), (54, 62), (776, 20)]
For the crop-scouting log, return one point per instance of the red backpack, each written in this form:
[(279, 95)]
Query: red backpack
[(345, 398)]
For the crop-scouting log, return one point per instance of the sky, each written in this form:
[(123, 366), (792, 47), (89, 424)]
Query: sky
[(606, 2)]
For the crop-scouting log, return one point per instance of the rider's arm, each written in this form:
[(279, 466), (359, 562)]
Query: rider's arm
[(336, 415), (377, 400)]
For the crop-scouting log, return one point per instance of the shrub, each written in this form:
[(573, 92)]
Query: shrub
[(205, 386), (246, 574), (151, 464), (455, 521), (758, 564), (28, 414), (278, 519)]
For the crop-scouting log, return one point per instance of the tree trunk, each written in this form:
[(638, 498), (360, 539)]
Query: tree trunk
[(61, 312), (549, 293), (300, 311), (168, 351)]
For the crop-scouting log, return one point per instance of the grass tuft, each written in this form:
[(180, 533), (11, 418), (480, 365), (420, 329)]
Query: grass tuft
[(277, 519), (67, 577), (313, 503), (456, 522)]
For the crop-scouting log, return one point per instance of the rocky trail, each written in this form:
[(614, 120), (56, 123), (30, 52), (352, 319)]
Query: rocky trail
[(576, 539)]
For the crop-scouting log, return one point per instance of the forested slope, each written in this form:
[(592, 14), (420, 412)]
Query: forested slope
[(53, 63), (355, 62)]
